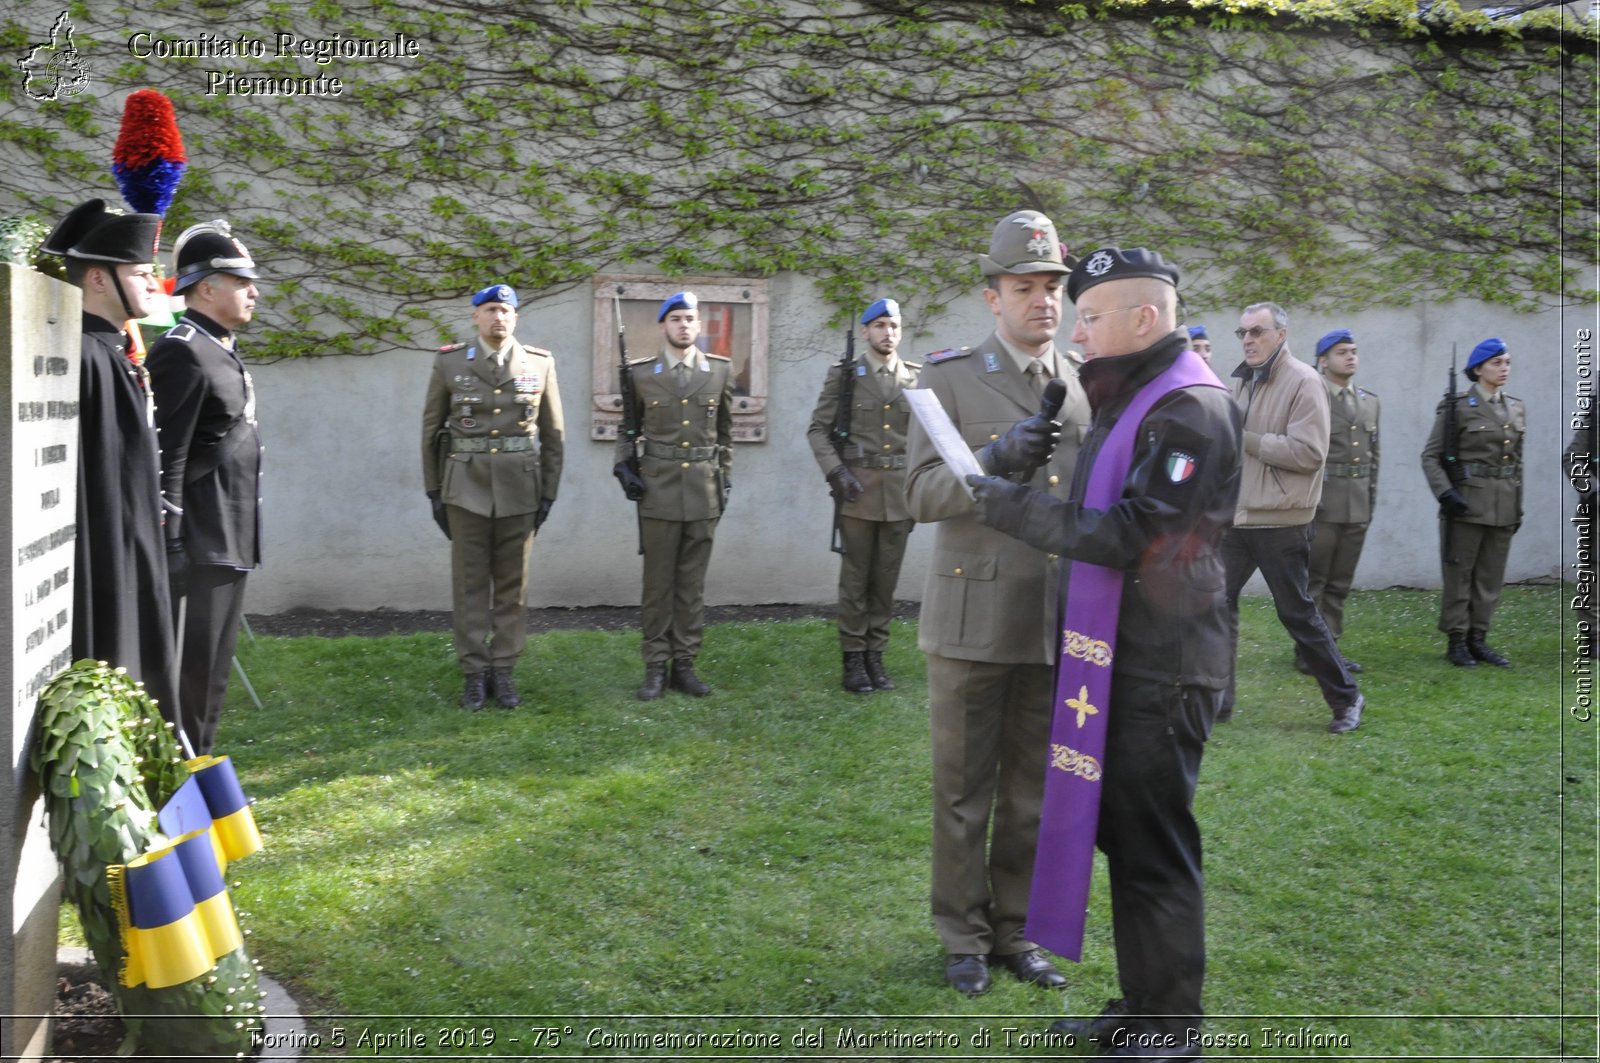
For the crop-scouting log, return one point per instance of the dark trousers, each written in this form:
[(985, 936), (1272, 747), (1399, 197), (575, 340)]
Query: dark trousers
[(211, 609), (1472, 584), (489, 587), (1155, 736), (991, 741), (868, 572), (672, 606), (1282, 555)]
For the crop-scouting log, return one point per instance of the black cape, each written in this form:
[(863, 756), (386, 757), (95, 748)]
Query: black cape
[(122, 606)]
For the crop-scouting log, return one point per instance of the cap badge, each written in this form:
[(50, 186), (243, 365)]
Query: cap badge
[(1098, 264)]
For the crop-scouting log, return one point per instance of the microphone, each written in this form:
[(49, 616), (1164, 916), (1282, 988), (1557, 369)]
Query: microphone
[(1055, 393)]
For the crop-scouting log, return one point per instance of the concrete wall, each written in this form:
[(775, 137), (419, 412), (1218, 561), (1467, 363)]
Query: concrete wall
[(347, 525)]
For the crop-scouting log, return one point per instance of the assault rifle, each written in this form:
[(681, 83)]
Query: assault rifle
[(629, 429), (1449, 457), (840, 433)]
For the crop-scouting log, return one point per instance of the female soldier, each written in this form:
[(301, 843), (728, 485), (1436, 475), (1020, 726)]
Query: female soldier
[(1481, 503)]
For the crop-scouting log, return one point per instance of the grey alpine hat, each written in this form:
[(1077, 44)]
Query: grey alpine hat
[(1024, 241)]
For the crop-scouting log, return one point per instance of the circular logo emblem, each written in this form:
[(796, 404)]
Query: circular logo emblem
[(1099, 264)]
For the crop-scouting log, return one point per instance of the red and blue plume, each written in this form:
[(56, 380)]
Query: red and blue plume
[(148, 161)]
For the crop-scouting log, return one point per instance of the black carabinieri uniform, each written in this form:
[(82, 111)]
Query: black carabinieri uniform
[(210, 480)]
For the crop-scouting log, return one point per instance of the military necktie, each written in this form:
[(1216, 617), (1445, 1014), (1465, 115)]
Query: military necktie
[(1036, 376)]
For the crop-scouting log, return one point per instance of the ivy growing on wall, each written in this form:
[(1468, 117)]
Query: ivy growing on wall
[(1324, 154)]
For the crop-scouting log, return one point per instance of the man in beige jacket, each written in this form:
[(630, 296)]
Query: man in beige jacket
[(989, 613), (1285, 412)]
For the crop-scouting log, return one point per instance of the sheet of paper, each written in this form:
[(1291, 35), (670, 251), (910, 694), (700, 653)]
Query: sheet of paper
[(944, 435)]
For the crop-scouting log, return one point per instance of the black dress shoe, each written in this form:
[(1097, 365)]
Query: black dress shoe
[(1481, 651), (505, 689), (967, 974), (684, 679), (1112, 1019), (1033, 967), (655, 682), (1353, 667), (876, 672), (475, 692), (1348, 718)]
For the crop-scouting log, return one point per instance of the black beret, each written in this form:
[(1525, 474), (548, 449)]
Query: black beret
[(1115, 264)]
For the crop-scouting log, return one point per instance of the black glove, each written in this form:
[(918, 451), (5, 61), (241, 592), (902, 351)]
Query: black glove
[(440, 516), (1451, 504), (177, 569), (632, 483), (999, 502), (542, 514), (1024, 448), (846, 488), (727, 491)]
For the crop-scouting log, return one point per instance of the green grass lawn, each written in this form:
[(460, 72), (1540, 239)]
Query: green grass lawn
[(755, 864)]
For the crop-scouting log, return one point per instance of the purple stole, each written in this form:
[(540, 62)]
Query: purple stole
[(1059, 902)]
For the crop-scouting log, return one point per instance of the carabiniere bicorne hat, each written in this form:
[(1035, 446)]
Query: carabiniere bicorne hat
[(91, 233), (208, 248), (1114, 264), (1024, 241), (1492, 347)]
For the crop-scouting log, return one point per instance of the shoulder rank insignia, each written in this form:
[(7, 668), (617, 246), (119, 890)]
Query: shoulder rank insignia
[(718, 357), (947, 354), (182, 332), (538, 350), (911, 365), (642, 361), (447, 348)]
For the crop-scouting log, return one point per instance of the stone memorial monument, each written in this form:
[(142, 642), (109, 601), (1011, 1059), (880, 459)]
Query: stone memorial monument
[(40, 324)]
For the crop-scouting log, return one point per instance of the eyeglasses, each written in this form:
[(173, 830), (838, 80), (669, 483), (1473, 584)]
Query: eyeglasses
[(1253, 331), (1089, 319)]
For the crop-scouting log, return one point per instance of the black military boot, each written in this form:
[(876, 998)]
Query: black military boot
[(855, 673), (505, 690), (655, 681), (684, 679), (875, 671), (476, 691), (1481, 651), (1457, 653)]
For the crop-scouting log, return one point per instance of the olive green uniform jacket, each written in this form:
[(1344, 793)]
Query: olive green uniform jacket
[(479, 407), (686, 444), (880, 419)]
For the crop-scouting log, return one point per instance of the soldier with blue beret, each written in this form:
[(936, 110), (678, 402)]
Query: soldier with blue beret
[(1349, 485), (493, 441), (1200, 342), (867, 474), (1484, 509), (683, 399)]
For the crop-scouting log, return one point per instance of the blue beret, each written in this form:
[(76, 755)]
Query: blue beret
[(496, 293), (677, 301), (1337, 336), (881, 308), (1198, 332), (1492, 347)]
